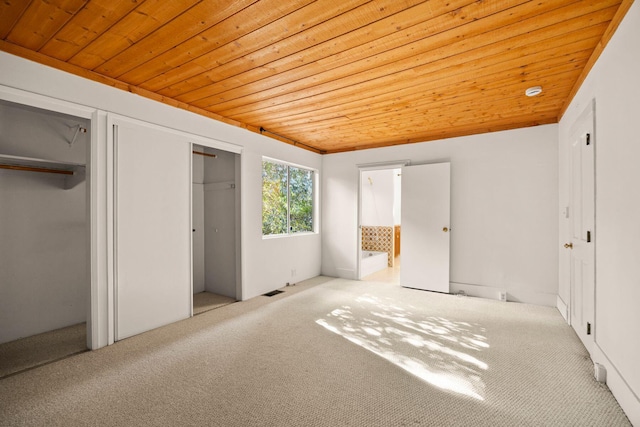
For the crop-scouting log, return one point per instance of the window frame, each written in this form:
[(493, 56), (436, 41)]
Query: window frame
[(314, 199)]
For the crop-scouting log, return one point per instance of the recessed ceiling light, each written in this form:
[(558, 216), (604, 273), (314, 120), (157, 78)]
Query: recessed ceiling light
[(533, 91)]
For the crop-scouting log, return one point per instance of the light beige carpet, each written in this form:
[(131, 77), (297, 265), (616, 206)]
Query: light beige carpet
[(37, 350), (329, 353), (205, 301), (30, 352)]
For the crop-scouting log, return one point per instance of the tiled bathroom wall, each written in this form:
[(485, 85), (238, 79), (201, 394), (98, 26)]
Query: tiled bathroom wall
[(380, 239)]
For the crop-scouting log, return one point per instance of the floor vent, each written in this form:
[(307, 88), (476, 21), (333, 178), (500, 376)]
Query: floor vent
[(272, 293)]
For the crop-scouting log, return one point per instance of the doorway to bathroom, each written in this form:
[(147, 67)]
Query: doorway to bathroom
[(408, 204), (380, 223)]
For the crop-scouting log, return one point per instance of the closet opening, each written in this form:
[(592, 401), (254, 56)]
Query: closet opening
[(216, 228), (44, 236)]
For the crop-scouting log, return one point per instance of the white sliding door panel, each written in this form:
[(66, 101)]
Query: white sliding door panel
[(425, 219), (152, 227)]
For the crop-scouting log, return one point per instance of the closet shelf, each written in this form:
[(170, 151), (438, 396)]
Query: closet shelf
[(39, 165), (74, 172)]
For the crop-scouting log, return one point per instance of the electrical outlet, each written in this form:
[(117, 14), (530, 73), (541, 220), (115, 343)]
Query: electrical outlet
[(293, 272)]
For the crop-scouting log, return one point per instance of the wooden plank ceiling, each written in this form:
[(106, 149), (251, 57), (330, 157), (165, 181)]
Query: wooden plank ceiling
[(328, 75)]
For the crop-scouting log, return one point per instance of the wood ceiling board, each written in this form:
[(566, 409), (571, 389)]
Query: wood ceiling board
[(41, 20), (311, 74), (474, 129), (191, 22), (331, 38), (282, 31), (446, 131), (511, 98), (96, 17), (362, 73), (227, 31), (409, 68), (448, 116), (516, 62), (361, 45), (10, 12), (369, 97), (445, 117), (445, 110), (304, 29), (413, 40), (424, 133), (451, 114), (142, 21), (514, 80)]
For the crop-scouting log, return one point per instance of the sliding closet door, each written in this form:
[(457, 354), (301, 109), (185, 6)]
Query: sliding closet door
[(152, 227)]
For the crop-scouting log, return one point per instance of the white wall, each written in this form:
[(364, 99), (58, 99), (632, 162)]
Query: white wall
[(503, 209), (44, 281), (220, 223), (266, 264), (614, 84), (378, 197)]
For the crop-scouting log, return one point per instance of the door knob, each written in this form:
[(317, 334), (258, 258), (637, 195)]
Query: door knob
[(445, 229), (568, 245)]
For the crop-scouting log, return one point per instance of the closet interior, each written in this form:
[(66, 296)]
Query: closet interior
[(215, 199), (44, 236)]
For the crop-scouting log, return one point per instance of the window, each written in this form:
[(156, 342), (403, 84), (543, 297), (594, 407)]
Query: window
[(287, 199)]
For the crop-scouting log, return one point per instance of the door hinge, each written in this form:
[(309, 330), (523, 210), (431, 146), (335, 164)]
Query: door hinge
[(588, 328), (588, 237), (588, 139)]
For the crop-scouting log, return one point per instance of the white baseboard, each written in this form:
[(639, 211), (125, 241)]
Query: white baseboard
[(346, 273), (478, 291), (562, 308), (492, 292), (625, 396)]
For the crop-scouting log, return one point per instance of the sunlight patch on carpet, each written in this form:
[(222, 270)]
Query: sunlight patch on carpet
[(441, 352)]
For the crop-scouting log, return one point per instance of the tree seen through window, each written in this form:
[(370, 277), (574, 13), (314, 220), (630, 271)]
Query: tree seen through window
[(287, 199)]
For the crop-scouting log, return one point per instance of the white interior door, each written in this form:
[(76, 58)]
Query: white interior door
[(425, 217), (582, 219), (152, 228)]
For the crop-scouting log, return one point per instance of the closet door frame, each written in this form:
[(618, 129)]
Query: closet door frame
[(114, 119), (98, 317), (235, 149), (100, 175)]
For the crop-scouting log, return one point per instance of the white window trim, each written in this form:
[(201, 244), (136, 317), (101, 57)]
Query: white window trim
[(316, 200)]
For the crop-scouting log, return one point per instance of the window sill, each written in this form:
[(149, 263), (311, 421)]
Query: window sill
[(284, 236)]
